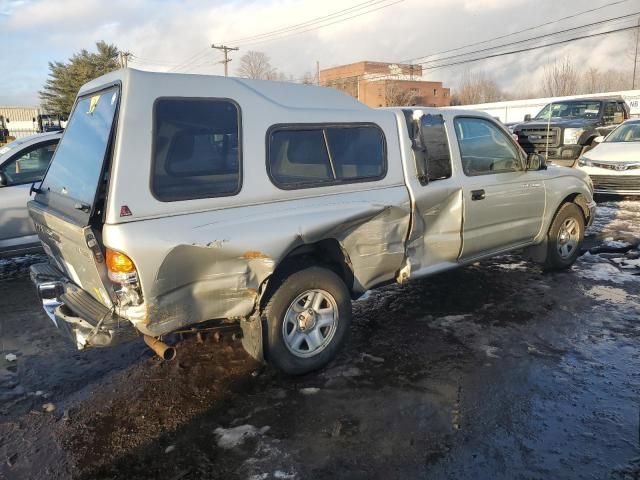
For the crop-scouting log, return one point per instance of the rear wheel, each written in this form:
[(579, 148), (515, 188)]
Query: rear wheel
[(565, 237), (308, 318)]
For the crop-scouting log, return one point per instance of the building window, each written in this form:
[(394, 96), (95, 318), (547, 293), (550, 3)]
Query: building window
[(435, 92)]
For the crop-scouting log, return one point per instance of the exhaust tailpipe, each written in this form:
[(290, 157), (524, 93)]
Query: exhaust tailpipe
[(161, 349)]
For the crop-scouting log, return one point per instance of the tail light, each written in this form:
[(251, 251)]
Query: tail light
[(122, 271), (121, 268)]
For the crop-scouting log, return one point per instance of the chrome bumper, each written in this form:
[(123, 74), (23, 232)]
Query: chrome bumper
[(77, 314)]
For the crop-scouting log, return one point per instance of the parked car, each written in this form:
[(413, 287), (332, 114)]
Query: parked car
[(22, 162), (614, 165), (564, 130), (275, 205)]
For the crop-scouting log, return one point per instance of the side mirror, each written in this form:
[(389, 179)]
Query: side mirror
[(4, 181), (598, 139), (527, 117), (535, 161)]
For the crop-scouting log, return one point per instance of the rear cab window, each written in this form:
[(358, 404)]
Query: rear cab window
[(306, 156), (76, 171), (196, 149)]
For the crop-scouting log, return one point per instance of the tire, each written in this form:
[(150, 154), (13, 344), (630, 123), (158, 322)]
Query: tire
[(565, 237), (307, 320)]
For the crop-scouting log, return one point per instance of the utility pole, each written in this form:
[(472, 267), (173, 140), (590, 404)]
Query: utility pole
[(635, 57), (226, 60)]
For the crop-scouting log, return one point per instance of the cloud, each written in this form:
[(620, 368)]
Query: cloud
[(166, 34)]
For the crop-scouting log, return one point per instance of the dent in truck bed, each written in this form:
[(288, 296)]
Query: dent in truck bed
[(218, 278)]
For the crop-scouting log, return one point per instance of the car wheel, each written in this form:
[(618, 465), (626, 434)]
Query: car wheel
[(565, 237), (307, 320)]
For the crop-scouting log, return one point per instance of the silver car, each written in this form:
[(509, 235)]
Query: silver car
[(22, 162), (614, 165)]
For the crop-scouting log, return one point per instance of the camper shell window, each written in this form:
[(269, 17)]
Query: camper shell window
[(306, 156), (196, 149)]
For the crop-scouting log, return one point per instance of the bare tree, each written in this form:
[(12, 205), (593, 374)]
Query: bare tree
[(560, 78), (256, 65), (397, 96), (595, 81), (476, 87), (308, 79)]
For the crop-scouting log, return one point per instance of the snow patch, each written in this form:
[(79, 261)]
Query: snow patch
[(604, 293), (309, 390), (229, 438), (611, 243), (595, 267)]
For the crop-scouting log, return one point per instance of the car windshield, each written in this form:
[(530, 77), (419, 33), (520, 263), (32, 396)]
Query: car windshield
[(627, 132), (573, 109), (76, 167)]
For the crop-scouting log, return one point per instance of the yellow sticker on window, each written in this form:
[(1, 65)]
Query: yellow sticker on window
[(93, 104)]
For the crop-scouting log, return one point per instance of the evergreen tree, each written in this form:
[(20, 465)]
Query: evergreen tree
[(65, 79)]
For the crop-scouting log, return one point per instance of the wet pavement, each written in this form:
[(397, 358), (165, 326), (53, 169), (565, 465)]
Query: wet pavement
[(497, 370)]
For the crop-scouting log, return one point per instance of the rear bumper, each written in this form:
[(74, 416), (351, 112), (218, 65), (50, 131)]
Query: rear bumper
[(77, 314)]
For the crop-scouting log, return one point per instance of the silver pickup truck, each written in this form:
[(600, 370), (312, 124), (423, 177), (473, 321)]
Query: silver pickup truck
[(203, 198)]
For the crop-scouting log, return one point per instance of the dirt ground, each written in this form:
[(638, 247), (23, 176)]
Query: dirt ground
[(495, 371)]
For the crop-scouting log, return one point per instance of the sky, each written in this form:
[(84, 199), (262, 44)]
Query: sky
[(176, 35)]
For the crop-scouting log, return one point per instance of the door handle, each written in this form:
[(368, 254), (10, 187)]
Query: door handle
[(477, 194)]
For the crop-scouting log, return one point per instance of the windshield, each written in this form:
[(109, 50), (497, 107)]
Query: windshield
[(573, 109), (627, 132), (76, 167)]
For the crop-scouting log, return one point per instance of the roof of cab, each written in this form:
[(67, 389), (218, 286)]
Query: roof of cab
[(285, 94)]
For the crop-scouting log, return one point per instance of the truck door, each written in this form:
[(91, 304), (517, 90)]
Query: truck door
[(503, 203), (435, 239)]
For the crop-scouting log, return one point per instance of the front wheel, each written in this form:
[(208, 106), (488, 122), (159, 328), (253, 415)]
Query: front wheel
[(308, 318), (565, 237)]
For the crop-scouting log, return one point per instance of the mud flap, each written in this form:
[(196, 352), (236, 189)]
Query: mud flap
[(252, 337), (537, 253)]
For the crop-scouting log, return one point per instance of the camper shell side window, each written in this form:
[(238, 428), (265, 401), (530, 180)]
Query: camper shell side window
[(316, 155)]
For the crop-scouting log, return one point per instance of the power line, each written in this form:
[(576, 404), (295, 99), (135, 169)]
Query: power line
[(528, 29), (191, 59), (512, 52), (312, 21), (320, 26), (538, 37), (536, 47), (383, 76)]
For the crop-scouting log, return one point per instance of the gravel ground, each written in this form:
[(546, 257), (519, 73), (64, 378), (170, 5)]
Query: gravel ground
[(495, 371)]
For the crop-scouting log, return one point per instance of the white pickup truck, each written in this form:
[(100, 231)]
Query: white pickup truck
[(175, 200)]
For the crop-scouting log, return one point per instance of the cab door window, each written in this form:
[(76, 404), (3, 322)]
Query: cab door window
[(29, 166), (609, 112), (485, 148)]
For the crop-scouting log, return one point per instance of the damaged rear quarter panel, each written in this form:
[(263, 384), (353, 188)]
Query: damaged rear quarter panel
[(211, 265)]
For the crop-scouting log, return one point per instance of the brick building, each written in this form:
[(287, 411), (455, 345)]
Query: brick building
[(378, 84)]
